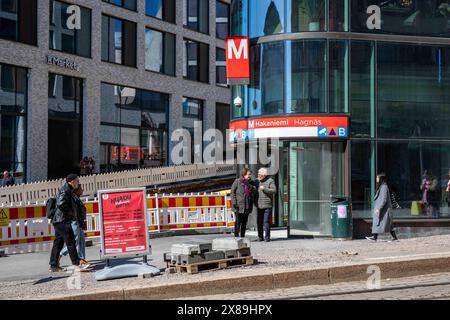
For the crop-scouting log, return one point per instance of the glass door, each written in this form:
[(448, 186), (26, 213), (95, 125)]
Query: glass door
[(316, 170)]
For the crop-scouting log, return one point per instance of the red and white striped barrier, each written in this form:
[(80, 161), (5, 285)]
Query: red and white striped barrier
[(26, 229)]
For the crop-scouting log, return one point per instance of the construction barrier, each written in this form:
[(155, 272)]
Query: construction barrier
[(40, 191), (26, 229)]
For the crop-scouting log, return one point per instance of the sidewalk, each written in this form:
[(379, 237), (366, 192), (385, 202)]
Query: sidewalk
[(26, 276)]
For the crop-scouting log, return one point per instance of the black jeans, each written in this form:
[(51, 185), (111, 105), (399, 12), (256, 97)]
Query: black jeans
[(263, 222), (64, 235), (240, 225)]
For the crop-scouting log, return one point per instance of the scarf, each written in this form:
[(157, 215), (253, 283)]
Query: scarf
[(246, 188)]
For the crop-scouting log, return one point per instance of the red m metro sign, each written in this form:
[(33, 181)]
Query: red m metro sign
[(238, 60)]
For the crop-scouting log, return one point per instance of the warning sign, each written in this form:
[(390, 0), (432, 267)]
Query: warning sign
[(4, 218)]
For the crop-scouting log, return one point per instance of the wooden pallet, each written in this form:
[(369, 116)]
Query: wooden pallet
[(212, 265)]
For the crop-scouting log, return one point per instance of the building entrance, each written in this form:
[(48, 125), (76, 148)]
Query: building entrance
[(314, 171)]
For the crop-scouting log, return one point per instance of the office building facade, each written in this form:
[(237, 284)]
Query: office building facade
[(111, 80)]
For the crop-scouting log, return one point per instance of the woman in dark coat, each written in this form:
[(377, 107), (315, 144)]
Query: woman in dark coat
[(383, 215), (242, 198)]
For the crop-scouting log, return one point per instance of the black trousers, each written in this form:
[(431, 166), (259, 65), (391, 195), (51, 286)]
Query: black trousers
[(64, 235), (263, 222), (240, 225)]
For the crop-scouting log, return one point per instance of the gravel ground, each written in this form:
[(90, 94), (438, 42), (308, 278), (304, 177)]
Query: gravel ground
[(278, 255)]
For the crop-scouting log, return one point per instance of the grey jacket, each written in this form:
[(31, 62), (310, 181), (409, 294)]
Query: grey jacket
[(265, 197), (66, 206), (239, 201), (382, 222)]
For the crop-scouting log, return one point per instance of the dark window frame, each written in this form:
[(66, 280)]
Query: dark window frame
[(164, 16), (186, 61), (20, 114), (164, 33), (122, 6), (141, 128), (28, 38), (75, 32), (122, 58), (229, 19), (186, 26)]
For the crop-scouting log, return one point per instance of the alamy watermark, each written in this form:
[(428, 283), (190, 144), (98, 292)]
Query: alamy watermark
[(211, 147)]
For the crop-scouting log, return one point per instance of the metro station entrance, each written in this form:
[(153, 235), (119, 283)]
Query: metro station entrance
[(310, 172)]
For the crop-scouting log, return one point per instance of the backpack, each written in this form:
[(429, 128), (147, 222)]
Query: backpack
[(51, 208)]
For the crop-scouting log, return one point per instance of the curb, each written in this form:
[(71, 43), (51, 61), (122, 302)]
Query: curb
[(270, 280)]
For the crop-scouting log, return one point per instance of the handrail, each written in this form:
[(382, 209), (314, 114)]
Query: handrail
[(42, 190)]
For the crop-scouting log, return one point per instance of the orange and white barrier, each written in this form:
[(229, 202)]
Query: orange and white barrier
[(26, 229)]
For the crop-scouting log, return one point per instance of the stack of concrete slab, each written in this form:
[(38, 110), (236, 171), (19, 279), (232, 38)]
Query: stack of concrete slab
[(232, 247), (219, 249)]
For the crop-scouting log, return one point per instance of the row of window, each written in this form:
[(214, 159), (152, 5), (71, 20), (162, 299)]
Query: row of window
[(133, 132), (119, 41), (18, 21), (391, 90), (406, 17)]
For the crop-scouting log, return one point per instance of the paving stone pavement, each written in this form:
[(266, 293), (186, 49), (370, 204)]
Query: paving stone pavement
[(433, 286)]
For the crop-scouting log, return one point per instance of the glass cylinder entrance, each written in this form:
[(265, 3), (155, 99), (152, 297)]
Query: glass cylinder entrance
[(316, 170)]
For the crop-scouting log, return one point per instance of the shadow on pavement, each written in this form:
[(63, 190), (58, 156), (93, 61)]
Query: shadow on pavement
[(48, 279)]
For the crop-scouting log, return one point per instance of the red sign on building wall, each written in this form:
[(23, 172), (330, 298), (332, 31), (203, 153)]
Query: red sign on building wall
[(123, 217), (238, 60)]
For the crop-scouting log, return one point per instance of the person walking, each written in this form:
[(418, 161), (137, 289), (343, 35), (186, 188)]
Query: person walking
[(266, 191), (242, 198), (8, 179), (383, 216), (65, 213), (79, 227)]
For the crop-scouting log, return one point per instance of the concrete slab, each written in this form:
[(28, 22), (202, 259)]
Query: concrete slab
[(220, 244)]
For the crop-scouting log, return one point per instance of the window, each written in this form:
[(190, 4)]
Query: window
[(160, 51), (221, 67), (266, 17), (239, 17), (338, 89), (362, 89), (196, 15), (128, 4), (63, 39), (118, 41), (409, 17), (134, 128), (161, 9), (18, 21), (413, 91), (308, 15), (196, 61), (407, 164), (13, 108), (266, 89), (192, 121), (222, 19), (65, 125), (65, 97)]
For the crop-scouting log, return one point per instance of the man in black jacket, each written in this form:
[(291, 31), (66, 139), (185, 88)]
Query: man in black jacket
[(66, 212)]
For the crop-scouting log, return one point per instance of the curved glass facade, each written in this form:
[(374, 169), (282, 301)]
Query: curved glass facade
[(364, 59), (296, 77)]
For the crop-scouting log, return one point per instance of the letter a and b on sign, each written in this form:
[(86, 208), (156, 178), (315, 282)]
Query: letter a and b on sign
[(238, 60)]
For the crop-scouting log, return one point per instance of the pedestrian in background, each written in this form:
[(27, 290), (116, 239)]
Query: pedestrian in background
[(65, 213), (383, 216), (8, 179), (79, 227), (265, 197), (242, 198), (84, 166)]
